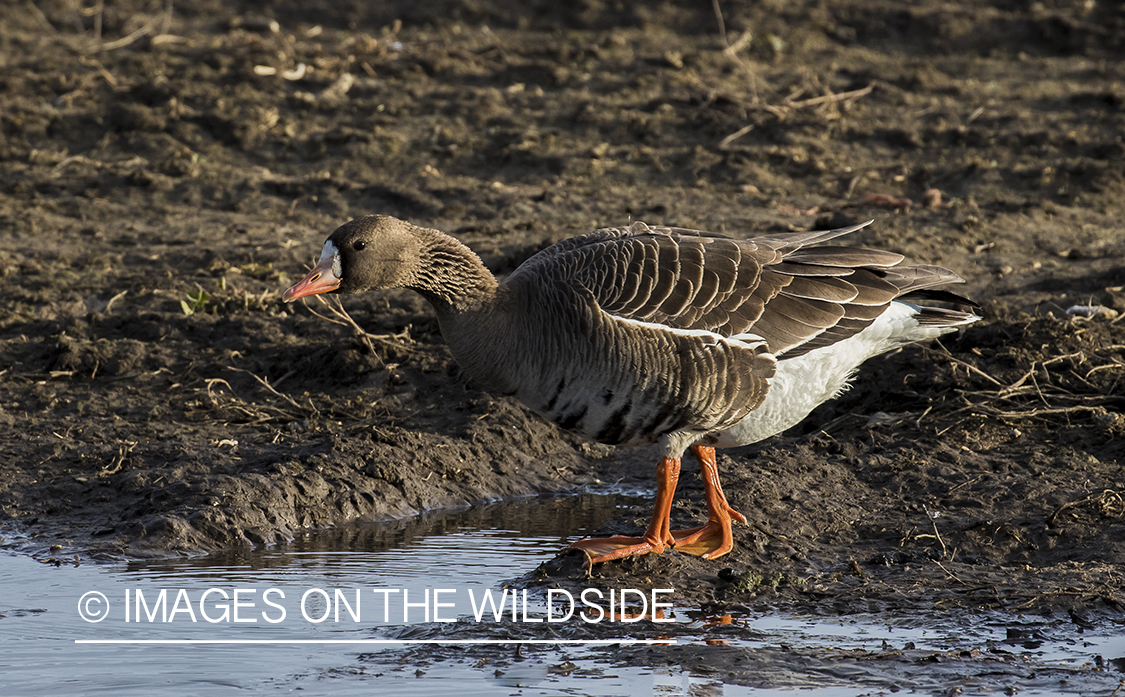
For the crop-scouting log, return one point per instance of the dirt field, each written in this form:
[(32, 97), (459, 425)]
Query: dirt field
[(164, 177)]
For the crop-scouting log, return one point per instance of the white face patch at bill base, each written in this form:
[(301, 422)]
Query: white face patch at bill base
[(331, 251)]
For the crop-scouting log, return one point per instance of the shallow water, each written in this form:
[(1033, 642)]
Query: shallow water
[(352, 611)]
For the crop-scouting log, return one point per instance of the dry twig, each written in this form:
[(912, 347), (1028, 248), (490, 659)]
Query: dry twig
[(257, 413), (341, 316), (944, 353), (1109, 501), (289, 400), (944, 551), (115, 465), (157, 26)]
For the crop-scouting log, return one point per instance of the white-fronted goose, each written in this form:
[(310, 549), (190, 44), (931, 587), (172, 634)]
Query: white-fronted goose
[(641, 335)]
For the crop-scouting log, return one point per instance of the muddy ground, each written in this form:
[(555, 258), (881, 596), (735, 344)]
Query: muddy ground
[(164, 176)]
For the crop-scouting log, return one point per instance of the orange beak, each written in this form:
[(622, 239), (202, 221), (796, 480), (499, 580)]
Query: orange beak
[(320, 280)]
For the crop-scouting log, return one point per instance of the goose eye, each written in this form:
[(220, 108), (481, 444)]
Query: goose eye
[(359, 245)]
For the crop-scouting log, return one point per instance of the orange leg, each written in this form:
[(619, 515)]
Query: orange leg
[(714, 539), (658, 534)]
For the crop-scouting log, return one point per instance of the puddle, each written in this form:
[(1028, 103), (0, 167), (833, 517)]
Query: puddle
[(402, 607)]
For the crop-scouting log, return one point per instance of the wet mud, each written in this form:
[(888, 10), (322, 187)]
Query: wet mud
[(166, 176)]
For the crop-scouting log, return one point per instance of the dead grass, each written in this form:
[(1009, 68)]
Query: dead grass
[(1085, 383), (338, 315)]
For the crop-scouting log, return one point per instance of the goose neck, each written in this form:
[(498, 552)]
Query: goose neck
[(451, 276)]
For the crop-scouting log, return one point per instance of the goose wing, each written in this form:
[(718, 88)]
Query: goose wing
[(777, 288)]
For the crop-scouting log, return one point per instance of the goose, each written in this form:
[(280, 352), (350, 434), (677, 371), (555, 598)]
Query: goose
[(645, 335)]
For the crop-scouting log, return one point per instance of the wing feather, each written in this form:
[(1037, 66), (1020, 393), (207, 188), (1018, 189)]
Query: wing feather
[(821, 288), (852, 257)]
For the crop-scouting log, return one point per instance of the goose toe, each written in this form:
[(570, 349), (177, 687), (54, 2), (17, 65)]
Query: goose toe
[(709, 541), (600, 549)]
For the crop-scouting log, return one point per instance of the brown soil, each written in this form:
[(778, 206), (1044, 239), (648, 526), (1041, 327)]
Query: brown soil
[(160, 189)]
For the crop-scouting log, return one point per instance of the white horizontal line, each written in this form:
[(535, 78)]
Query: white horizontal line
[(375, 641)]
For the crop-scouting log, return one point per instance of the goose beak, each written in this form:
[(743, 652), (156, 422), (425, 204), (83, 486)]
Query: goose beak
[(321, 279)]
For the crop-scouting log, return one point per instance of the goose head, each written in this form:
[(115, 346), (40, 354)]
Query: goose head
[(368, 253)]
